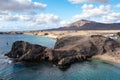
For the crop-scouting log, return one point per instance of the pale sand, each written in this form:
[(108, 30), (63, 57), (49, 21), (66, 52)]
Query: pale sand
[(108, 58), (59, 34)]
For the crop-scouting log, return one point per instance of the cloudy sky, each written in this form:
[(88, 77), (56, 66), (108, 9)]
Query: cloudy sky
[(44, 14)]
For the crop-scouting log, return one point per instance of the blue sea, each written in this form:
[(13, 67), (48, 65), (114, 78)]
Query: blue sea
[(89, 70)]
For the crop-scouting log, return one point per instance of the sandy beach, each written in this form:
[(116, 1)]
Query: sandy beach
[(59, 34), (108, 58)]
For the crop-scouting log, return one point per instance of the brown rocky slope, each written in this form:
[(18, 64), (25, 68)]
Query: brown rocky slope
[(67, 50)]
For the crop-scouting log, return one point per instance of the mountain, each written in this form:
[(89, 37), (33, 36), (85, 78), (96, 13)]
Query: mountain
[(90, 25)]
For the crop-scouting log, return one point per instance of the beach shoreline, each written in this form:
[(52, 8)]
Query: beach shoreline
[(59, 34), (108, 58)]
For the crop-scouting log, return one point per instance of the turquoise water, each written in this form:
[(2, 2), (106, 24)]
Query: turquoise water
[(93, 70), (6, 66)]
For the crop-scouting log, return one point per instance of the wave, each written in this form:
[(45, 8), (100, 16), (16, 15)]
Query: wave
[(4, 59)]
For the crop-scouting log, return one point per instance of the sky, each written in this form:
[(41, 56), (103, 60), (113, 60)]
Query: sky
[(19, 15)]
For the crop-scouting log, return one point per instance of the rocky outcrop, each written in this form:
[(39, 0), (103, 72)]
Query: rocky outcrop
[(24, 51), (97, 43), (77, 49), (67, 50), (105, 45)]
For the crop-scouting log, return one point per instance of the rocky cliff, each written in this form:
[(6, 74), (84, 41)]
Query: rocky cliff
[(67, 50), (24, 51)]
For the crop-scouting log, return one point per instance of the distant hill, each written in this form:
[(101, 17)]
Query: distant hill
[(89, 25)]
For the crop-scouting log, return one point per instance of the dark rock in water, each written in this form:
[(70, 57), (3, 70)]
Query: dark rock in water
[(67, 50), (24, 51)]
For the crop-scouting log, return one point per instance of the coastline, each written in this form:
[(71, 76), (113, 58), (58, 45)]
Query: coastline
[(108, 58), (59, 34)]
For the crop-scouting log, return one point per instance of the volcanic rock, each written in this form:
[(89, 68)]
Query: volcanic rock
[(67, 50)]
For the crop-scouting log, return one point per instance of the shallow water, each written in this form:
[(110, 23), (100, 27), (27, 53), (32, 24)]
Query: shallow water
[(92, 70)]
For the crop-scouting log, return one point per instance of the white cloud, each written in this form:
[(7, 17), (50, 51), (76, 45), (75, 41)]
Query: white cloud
[(27, 22), (3, 13), (102, 13), (118, 5), (45, 19), (35, 20), (90, 11), (81, 1), (20, 5), (111, 17), (25, 17), (64, 23), (85, 6), (8, 17), (15, 25)]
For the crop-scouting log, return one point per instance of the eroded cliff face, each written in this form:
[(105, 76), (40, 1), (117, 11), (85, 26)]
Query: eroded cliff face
[(67, 50), (24, 51), (79, 49)]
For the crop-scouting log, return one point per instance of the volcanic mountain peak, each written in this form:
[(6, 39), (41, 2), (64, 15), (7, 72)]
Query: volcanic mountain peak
[(90, 25), (81, 23)]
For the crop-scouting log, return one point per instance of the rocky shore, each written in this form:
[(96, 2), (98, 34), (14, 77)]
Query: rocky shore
[(67, 50)]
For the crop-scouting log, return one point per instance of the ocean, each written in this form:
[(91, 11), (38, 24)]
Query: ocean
[(88, 70)]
